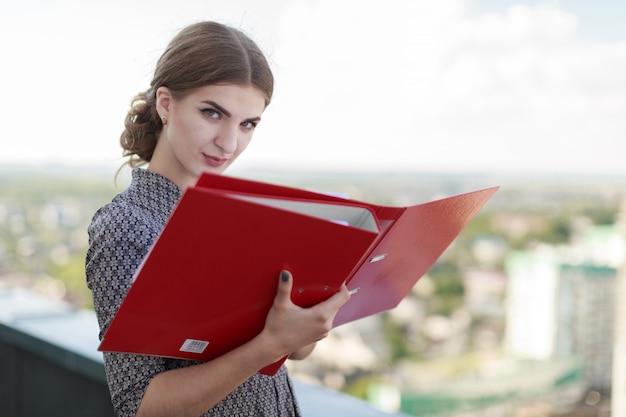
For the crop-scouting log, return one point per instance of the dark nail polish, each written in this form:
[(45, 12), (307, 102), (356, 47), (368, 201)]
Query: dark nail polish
[(284, 276)]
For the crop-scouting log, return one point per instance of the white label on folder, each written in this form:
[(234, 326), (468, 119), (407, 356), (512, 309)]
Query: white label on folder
[(194, 346)]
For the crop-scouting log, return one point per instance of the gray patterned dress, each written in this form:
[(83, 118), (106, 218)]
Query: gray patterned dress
[(120, 235)]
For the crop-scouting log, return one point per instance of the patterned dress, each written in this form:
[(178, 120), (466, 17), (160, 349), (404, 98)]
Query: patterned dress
[(120, 235)]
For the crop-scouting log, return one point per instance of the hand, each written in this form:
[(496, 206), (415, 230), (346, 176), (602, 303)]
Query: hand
[(289, 327)]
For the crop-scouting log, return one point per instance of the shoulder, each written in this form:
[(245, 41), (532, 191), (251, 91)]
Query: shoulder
[(121, 219), (120, 236), (122, 230)]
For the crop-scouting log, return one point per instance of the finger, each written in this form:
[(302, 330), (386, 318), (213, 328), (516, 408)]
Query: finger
[(332, 304), (285, 284)]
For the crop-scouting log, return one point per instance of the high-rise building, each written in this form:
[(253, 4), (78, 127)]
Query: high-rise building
[(530, 305), (618, 392), (561, 302), (585, 317)]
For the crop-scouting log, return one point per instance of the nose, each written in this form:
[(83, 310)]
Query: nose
[(226, 138)]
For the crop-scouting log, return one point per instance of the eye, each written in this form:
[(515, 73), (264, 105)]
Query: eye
[(249, 124), (212, 113)]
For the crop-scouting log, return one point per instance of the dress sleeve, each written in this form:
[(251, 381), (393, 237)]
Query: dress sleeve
[(119, 239)]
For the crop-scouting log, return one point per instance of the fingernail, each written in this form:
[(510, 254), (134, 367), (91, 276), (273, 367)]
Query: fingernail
[(284, 276)]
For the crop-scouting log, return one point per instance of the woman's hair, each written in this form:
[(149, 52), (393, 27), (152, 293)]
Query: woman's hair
[(201, 54)]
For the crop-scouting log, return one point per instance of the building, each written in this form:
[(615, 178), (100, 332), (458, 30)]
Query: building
[(561, 303), (531, 304), (618, 392), (585, 317)]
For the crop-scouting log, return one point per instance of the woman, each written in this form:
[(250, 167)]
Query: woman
[(209, 90)]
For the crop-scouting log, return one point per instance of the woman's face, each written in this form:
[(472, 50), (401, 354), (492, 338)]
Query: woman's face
[(205, 131)]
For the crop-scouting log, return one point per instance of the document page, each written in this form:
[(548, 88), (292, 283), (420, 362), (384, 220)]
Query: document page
[(360, 217)]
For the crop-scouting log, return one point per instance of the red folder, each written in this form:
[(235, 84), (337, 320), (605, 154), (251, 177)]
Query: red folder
[(210, 279)]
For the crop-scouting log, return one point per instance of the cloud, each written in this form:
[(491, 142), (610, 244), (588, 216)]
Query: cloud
[(360, 83), (427, 85)]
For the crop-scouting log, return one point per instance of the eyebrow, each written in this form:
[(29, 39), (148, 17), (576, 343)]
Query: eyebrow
[(218, 107), (226, 112)]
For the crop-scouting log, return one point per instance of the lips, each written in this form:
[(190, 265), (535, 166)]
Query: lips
[(214, 161)]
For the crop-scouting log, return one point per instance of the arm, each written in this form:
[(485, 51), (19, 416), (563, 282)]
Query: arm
[(289, 328), (302, 353)]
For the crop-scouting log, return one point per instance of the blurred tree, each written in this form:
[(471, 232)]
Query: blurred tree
[(449, 290)]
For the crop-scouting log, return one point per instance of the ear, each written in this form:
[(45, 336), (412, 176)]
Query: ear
[(163, 100)]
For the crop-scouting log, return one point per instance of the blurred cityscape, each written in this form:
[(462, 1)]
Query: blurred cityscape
[(524, 314)]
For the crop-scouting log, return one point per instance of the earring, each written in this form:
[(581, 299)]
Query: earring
[(164, 120)]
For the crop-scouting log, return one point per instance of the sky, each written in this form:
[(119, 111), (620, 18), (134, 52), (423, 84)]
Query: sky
[(446, 86)]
